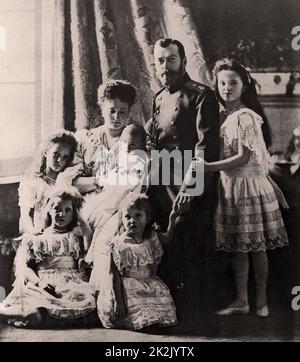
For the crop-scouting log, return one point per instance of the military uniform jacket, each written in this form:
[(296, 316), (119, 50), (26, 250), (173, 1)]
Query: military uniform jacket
[(185, 117)]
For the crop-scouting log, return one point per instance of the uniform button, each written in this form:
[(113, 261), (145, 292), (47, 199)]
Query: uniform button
[(160, 98), (172, 123), (174, 137), (157, 112), (176, 108)]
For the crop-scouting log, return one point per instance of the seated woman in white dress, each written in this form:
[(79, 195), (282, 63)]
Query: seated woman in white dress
[(130, 174), (96, 146)]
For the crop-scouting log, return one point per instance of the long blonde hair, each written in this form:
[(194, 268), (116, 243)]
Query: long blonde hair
[(61, 136)]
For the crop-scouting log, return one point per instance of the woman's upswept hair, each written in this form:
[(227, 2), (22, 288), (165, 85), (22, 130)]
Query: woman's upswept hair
[(61, 136), (141, 202), (121, 89), (249, 95), (65, 194)]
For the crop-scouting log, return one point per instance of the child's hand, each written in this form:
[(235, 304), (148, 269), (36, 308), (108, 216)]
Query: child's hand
[(182, 202)]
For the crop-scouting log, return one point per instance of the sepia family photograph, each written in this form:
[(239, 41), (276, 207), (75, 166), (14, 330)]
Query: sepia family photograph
[(149, 172)]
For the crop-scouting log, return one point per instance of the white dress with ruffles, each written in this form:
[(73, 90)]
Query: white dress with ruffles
[(147, 298), (57, 256), (33, 194), (248, 216)]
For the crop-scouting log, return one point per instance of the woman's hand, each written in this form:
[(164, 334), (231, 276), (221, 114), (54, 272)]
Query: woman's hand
[(85, 184)]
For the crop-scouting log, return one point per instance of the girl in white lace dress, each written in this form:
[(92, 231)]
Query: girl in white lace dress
[(56, 154), (49, 286), (248, 217), (142, 298)]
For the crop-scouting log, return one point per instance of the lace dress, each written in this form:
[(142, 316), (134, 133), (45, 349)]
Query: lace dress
[(248, 217), (57, 257), (147, 298)]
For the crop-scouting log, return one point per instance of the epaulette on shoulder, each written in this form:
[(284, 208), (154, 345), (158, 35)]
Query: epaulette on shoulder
[(198, 87), (157, 93)]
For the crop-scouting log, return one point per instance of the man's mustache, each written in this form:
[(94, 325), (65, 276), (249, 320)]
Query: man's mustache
[(167, 72)]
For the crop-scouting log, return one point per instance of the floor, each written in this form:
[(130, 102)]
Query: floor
[(280, 326), (200, 324)]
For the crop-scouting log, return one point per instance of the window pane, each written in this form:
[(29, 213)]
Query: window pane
[(19, 85), (17, 126), (18, 58), (17, 4)]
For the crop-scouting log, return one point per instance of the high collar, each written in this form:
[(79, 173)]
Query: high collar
[(226, 112), (179, 83)]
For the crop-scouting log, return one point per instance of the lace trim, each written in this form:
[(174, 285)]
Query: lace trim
[(267, 199), (246, 219), (135, 256), (255, 241), (53, 244), (246, 125)]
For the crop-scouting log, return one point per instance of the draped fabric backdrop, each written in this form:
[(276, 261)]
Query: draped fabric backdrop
[(97, 40)]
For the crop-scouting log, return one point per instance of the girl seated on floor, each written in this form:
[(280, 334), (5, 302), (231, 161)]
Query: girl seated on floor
[(142, 298), (53, 288)]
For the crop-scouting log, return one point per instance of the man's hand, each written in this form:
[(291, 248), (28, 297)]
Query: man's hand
[(182, 203)]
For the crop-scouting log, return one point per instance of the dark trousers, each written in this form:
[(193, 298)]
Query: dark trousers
[(186, 267)]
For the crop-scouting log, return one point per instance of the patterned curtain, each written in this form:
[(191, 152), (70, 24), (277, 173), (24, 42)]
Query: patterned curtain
[(97, 40)]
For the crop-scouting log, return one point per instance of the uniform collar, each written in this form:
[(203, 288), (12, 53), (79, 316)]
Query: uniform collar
[(179, 83)]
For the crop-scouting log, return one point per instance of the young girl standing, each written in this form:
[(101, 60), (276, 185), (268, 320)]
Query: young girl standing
[(57, 291), (38, 183), (142, 299), (248, 218)]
